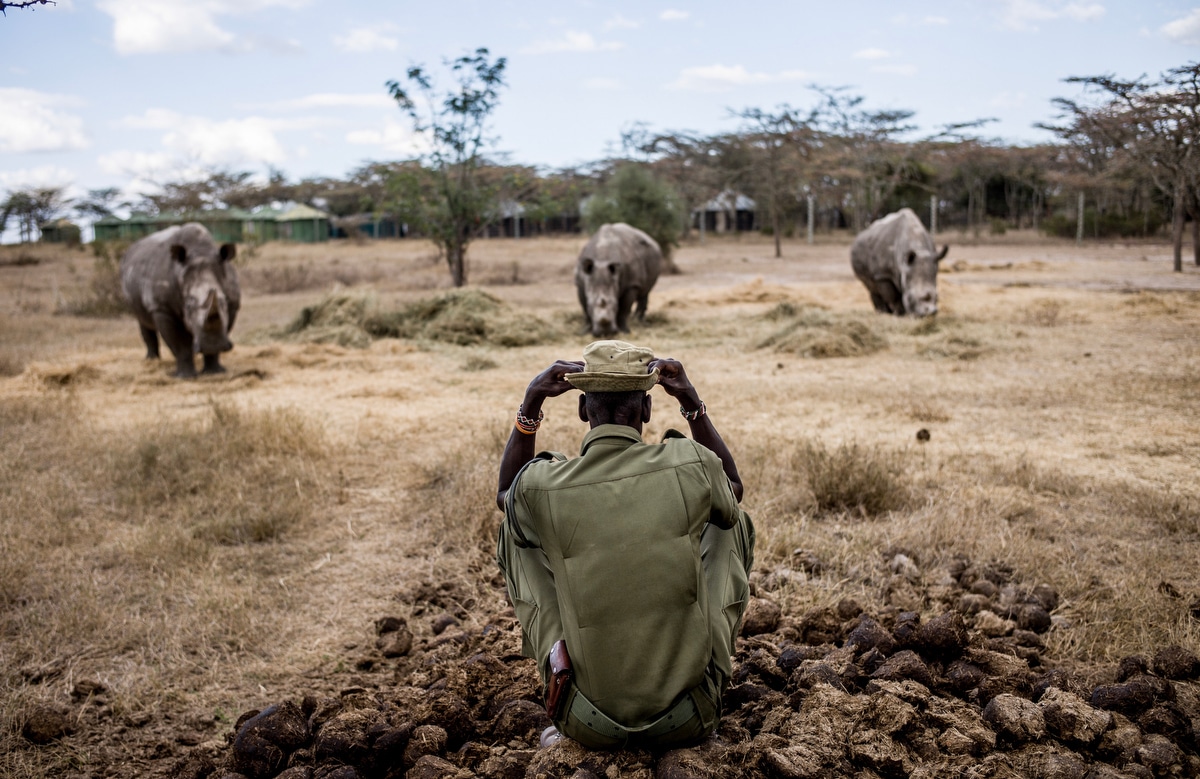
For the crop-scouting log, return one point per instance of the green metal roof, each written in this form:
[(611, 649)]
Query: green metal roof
[(301, 212)]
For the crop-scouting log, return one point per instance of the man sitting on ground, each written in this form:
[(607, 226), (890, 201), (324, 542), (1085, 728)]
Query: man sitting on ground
[(635, 555)]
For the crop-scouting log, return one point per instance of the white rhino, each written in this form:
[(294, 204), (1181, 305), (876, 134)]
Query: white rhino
[(182, 286), (895, 258), (617, 268)]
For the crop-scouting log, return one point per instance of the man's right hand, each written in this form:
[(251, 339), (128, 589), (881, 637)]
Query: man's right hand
[(551, 382), (520, 447)]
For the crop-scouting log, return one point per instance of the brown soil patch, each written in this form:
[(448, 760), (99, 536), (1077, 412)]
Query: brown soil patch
[(353, 491)]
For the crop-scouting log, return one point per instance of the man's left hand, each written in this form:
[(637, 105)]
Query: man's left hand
[(675, 382)]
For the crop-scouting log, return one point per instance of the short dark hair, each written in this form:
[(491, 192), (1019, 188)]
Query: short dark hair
[(623, 406)]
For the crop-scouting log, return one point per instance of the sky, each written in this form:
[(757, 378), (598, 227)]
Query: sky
[(125, 93)]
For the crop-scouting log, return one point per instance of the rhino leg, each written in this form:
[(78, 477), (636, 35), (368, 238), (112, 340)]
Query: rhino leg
[(179, 341), (624, 306), (150, 336), (643, 300), (880, 304), (587, 315), (212, 364), (885, 291)]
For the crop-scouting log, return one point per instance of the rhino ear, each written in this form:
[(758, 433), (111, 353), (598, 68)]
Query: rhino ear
[(942, 254), (178, 253), (228, 251)]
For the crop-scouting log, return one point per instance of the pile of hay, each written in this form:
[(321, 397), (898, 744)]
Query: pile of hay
[(335, 319), (814, 332), (467, 317)]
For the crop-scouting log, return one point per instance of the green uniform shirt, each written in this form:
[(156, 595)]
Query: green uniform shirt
[(620, 527)]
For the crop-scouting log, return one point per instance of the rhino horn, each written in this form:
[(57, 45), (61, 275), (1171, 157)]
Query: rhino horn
[(213, 320), (942, 254)]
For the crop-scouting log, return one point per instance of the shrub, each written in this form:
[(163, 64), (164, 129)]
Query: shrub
[(103, 296), (853, 478), (236, 477), (634, 195), (1104, 225)]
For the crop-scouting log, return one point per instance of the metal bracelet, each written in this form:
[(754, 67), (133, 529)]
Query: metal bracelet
[(692, 416)]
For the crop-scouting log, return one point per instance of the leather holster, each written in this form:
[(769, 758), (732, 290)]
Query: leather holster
[(560, 679)]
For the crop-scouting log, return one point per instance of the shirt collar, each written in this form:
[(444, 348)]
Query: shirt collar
[(613, 435)]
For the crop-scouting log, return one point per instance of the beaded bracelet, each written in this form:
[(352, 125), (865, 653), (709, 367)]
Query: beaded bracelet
[(692, 416), (525, 424)]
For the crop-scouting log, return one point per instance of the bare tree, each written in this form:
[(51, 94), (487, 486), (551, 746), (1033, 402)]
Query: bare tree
[(4, 6)]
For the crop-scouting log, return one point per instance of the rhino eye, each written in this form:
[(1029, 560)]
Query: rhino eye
[(587, 266), (612, 269), (912, 257)]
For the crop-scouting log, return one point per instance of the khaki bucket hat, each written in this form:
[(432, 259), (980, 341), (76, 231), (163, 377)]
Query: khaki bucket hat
[(614, 366)]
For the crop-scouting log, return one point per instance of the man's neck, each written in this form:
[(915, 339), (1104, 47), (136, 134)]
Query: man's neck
[(595, 423)]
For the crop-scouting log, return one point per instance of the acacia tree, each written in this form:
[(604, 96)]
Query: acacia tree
[(1153, 124), (454, 204), (770, 170), (32, 208)]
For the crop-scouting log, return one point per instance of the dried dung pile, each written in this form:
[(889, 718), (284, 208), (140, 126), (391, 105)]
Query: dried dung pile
[(838, 691), (810, 331), (467, 317)]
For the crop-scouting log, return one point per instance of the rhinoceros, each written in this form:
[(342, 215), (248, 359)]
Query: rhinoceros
[(182, 286), (896, 260), (617, 268)]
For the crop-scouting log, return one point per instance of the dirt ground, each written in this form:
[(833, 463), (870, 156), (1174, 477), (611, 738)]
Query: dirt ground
[(1011, 587)]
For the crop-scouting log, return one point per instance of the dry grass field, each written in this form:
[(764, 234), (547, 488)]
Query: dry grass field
[(173, 554)]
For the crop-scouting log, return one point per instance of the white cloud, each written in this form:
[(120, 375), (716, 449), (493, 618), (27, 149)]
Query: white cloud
[(1023, 15), (41, 176), (935, 21), (138, 164), (249, 140), (871, 54), (571, 42), (231, 142), (602, 83), (673, 15), (150, 26), (395, 137), (619, 22), (1008, 99), (720, 78), (31, 121), (1084, 12), (1184, 31), (365, 39), (334, 100), (896, 70)]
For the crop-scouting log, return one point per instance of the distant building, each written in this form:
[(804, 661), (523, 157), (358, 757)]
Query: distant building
[(368, 225), (303, 224), (727, 212), (226, 225), (60, 231), (300, 223)]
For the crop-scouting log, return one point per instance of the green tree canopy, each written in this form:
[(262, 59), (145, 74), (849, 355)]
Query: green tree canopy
[(635, 196), (450, 203)]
